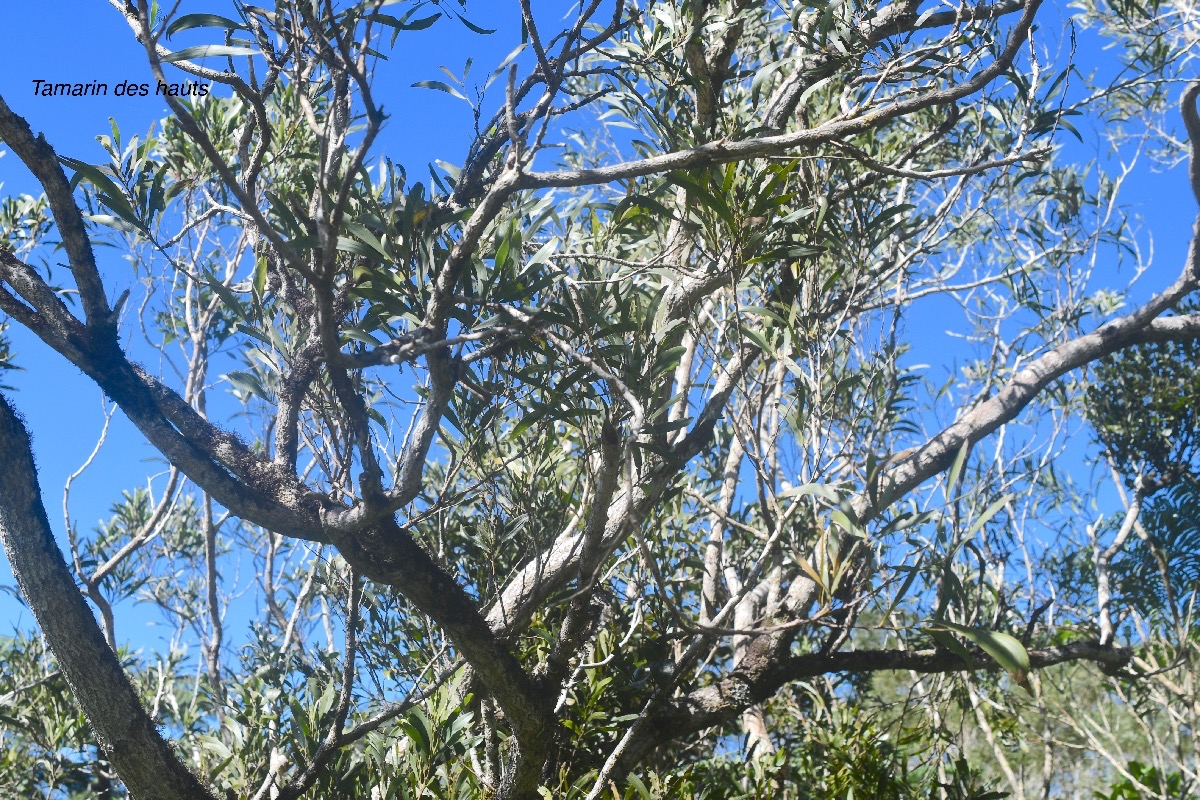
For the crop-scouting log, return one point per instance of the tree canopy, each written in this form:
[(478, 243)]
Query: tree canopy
[(600, 459)]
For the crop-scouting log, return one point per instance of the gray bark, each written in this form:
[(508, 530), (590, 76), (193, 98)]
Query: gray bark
[(125, 731)]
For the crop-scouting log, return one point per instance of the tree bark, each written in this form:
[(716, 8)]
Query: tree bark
[(128, 736)]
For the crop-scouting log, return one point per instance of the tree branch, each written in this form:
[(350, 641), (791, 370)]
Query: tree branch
[(723, 151), (126, 733), (754, 681)]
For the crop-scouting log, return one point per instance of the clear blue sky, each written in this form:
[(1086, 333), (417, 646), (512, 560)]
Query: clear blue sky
[(80, 41), (87, 40)]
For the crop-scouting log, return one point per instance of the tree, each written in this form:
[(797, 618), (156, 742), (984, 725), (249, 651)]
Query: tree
[(604, 448)]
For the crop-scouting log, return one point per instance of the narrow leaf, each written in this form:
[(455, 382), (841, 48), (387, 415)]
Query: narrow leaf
[(441, 86), (1008, 652), (206, 50), (189, 21)]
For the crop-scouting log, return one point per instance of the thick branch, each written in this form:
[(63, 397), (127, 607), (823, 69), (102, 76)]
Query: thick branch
[(205, 453), (1191, 122), (898, 18), (42, 161), (936, 455), (753, 681), (723, 152), (389, 555), (126, 733)]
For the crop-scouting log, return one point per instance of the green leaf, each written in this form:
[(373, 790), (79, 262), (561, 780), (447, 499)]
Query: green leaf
[(96, 177), (215, 746), (708, 199), (636, 785), (888, 213), (226, 295), (441, 86), (473, 26), (247, 384), (348, 245), (983, 518), (360, 335), (543, 254), (843, 521), (1008, 652), (667, 360), (503, 250), (635, 205), (189, 21), (953, 645), (405, 23), (529, 420), (956, 468), (788, 252), (114, 222), (500, 69), (816, 87), (260, 276), (904, 587), (206, 50), (418, 728), (368, 238), (419, 24)]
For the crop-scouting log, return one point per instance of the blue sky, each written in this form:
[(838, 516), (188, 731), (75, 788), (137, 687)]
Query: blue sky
[(87, 40), (80, 41)]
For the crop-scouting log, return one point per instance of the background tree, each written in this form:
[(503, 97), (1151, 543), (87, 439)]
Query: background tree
[(600, 460)]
